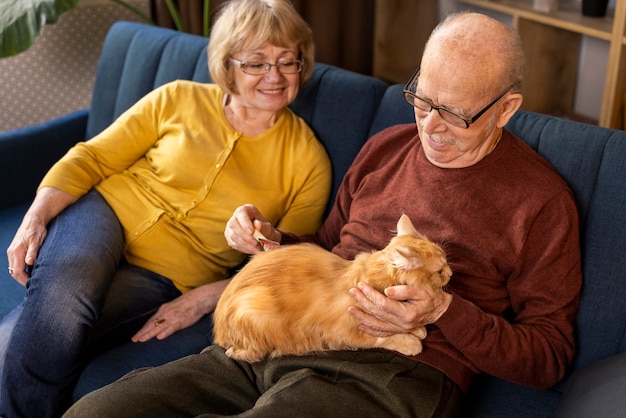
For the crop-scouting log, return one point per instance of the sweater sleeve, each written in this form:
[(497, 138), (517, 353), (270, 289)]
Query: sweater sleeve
[(113, 150), (329, 234), (535, 345), (305, 211)]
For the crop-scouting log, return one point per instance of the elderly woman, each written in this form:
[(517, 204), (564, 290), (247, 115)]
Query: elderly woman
[(125, 235)]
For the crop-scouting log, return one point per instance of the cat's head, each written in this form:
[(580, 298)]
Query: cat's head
[(414, 259)]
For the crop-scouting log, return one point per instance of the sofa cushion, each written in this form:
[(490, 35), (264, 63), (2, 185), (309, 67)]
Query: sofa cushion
[(596, 391), (591, 160), (495, 398), (151, 57), (26, 154), (393, 110), (12, 292), (339, 106)]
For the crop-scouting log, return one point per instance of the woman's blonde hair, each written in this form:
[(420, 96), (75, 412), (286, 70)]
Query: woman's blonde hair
[(245, 25)]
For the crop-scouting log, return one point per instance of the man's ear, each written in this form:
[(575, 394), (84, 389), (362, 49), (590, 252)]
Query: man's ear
[(510, 104)]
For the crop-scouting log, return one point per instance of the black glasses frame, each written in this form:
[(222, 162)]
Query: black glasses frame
[(410, 97)]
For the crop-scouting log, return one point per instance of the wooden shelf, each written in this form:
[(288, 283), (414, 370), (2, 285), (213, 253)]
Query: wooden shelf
[(569, 18), (552, 47)]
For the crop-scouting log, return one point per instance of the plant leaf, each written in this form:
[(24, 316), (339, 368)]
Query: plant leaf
[(171, 6), (21, 21), (206, 19)]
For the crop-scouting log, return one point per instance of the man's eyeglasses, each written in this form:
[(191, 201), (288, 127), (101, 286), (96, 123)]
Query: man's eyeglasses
[(449, 116), (261, 68)]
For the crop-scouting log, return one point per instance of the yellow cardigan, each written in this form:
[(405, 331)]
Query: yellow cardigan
[(174, 170)]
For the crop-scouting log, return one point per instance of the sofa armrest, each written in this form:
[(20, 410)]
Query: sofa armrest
[(26, 154), (596, 390)]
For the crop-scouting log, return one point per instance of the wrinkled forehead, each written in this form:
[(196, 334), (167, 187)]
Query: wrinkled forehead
[(452, 75), (464, 56)]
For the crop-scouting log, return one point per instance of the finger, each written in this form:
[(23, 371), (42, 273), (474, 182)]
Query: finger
[(391, 315), (17, 268), (371, 299), (245, 215), (242, 242), (149, 329), (233, 229), (165, 332), (163, 328), (245, 244), (266, 228), (14, 259), (18, 275), (368, 313), (239, 232), (31, 254), (143, 335), (400, 307), (21, 277), (370, 324), (402, 293)]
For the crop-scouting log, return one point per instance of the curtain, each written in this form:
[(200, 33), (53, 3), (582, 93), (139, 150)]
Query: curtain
[(343, 30)]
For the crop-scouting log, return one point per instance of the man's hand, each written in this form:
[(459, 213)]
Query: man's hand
[(399, 310)]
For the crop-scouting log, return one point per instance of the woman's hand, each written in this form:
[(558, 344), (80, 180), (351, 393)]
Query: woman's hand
[(399, 310), (181, 312), (241, 226), (24, 248)]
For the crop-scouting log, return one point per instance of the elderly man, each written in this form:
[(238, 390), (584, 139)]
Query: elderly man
[(508, 224)]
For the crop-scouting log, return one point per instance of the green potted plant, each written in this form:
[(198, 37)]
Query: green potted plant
[(21, 21)]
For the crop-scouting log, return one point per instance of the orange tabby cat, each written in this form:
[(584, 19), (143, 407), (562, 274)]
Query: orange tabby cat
[(294, 299)]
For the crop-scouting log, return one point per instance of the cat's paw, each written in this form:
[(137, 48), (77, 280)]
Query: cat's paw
[(244, 355), (407, 344), (419, 332)]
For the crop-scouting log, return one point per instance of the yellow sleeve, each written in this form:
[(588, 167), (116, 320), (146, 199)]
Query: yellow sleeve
[(306, 212), (112, 151), (305, 175)]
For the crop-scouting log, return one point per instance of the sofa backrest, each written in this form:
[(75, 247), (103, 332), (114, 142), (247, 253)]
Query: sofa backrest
[(135, 59), (593, 162), (339, 106)]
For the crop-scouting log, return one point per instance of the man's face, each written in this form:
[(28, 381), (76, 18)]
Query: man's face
[(464, 94)]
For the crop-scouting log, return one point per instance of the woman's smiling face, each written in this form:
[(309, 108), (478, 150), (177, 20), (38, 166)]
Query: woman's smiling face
[(272, 91)]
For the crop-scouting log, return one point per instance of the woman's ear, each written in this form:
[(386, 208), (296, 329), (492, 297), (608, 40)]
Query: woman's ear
[(510, 104)]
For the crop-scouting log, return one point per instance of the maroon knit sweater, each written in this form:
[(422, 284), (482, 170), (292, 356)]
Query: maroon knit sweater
[(509, 227)]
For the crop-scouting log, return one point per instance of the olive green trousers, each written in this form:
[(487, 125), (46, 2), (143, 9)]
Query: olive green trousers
[(369, 383)]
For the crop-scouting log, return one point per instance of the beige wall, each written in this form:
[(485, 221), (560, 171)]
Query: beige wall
[(591, 67), (55, 76)]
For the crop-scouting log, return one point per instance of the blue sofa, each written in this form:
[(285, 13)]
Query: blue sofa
[(345, 109)]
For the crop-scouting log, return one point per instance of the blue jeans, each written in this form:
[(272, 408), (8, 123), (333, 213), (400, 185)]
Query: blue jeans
[(82, 299)]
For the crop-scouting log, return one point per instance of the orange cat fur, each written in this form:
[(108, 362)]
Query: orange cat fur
[(294, 299)]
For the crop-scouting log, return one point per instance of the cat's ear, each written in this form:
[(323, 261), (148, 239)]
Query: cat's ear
[(405, 226), (404, 259)]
